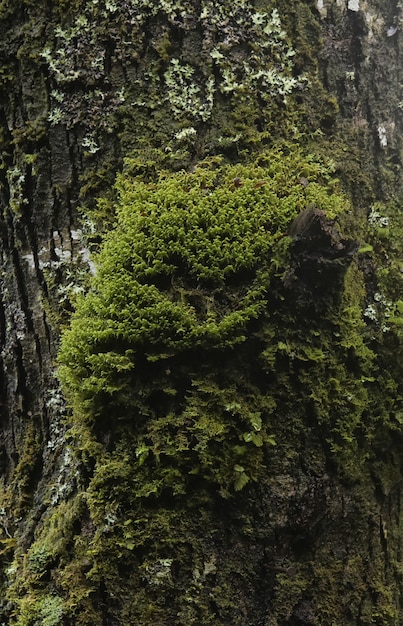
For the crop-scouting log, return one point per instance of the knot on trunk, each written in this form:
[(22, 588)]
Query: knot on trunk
[(316, 236), (320, 255)]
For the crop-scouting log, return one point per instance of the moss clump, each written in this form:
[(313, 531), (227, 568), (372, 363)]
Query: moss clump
[(210, 355), (188, 268), (168, 361)]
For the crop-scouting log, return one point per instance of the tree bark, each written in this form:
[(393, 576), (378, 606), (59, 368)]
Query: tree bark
[(89, 89)]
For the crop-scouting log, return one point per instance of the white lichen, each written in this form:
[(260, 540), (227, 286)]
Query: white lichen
[(371, 313), (383, 139), (16, 184), (90, 145), (186, 133), (375, 218), (353, 5)]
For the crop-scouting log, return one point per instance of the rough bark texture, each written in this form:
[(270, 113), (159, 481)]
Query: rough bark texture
[(85, 86)]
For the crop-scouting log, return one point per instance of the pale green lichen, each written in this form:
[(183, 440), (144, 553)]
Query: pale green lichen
[(244, 56), (16, 184), (264, 68)]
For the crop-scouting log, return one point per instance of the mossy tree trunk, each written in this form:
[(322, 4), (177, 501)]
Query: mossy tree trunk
[(89, 89)]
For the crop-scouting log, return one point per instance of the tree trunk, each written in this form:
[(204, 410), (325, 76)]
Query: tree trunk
[(90, 89)]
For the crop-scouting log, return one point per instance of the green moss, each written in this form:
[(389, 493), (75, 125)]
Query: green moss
[(182, 416), (188, 267), (222, 386), (191, 364)]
